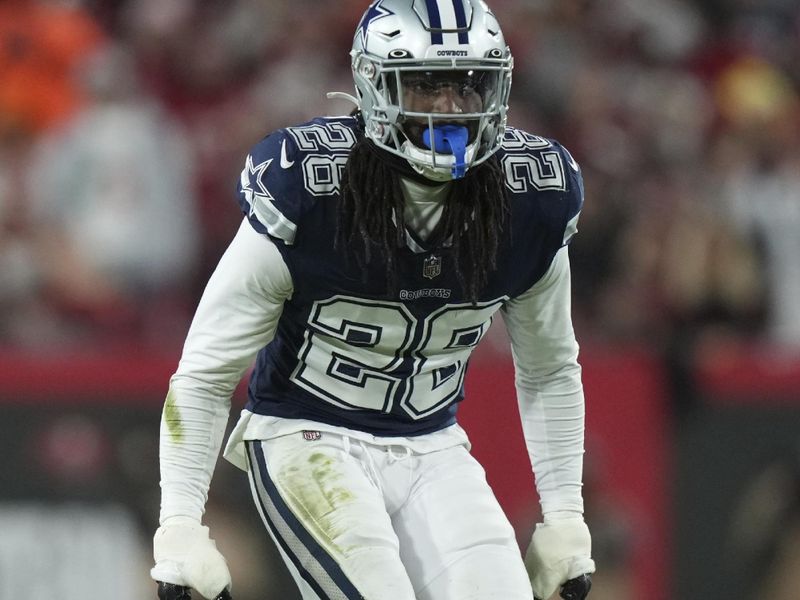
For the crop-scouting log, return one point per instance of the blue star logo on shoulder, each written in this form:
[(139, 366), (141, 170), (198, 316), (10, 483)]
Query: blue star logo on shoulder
[(449, 139)]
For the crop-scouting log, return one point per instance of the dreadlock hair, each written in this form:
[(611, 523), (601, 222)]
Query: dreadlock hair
[(370, 217)]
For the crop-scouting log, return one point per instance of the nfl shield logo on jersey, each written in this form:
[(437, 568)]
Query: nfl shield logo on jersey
[(432, 267)]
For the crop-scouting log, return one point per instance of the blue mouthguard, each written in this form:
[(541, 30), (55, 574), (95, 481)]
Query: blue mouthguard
[(450, 139)]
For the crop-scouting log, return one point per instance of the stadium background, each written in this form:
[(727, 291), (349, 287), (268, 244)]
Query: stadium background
[(123, 127)]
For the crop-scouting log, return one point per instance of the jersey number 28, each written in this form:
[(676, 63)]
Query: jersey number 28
[(361, 354)]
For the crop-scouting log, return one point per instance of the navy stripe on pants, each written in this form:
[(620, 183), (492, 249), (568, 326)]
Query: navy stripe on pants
[(317, 568)]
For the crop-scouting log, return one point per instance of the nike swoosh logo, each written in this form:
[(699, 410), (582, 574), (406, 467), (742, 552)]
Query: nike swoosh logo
[(572, 162), (285, 162)]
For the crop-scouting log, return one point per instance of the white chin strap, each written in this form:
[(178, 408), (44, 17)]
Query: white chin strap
[(422, 161)]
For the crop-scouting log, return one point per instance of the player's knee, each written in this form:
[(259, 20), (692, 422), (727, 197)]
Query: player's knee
[(379, 574), (482, 573)]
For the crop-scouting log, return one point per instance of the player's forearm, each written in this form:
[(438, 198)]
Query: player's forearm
[(196, 412), (192, 428), (551, 405), (553, 425)]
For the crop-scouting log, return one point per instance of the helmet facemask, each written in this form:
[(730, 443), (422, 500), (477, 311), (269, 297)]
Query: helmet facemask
[(401, 96)]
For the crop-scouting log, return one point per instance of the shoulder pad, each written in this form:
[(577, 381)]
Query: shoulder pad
[(542, 171), (289, 169)]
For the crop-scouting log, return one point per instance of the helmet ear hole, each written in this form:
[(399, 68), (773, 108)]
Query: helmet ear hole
[(367, 69), (400, 53)]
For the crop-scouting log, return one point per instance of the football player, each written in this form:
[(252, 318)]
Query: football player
[(374, 252)]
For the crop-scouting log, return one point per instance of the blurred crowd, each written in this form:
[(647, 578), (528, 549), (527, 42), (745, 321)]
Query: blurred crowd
[(124, 125)]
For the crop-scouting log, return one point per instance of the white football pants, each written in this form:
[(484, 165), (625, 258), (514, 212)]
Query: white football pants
[(359, 521)]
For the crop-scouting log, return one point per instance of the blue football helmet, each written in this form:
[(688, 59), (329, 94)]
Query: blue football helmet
[(429, 44)]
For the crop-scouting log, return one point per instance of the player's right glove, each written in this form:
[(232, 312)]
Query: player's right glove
[(560, 555), (186, 556)]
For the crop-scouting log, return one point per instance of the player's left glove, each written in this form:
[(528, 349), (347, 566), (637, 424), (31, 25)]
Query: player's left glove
[(560, 551)]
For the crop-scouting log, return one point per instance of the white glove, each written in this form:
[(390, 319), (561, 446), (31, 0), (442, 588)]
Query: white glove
[(560, 550), (185, 555)]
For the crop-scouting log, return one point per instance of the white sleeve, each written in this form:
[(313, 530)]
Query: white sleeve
[(235, 318), (549, 388)]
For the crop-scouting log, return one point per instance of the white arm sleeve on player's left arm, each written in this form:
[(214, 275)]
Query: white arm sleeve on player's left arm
[(236, 317), (549, 388)]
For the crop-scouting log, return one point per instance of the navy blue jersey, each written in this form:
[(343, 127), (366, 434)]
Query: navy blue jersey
[(351, 350)]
